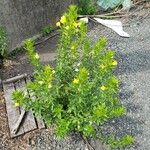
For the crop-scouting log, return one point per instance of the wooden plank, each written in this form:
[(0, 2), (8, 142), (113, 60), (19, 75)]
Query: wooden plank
[(29, 121), (40, 122), (12, 112), (19, 121), (14, 79)]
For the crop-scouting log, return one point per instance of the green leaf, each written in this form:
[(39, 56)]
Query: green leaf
[(100, 112), (88, 130), (127, 140), (118, 111)]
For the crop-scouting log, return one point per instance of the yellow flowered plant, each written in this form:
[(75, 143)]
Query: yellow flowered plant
[(50, 86), (72, 47), (103, 88), (53, 71), (81, 92), (114, 63), (37, 56), (80, 23), (17, 104), (58, 24), (76, 81), (63, 19), (40, 82), (75, 24), (67, 27), (102, 66)]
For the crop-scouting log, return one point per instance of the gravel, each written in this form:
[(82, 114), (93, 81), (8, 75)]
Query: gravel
[(46, 140), (133, 55)]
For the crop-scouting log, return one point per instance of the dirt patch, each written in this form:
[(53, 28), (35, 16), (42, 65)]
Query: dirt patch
[(19, 63)]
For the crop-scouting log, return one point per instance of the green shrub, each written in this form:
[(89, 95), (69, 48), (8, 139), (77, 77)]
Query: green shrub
[(3, 42), (120, 143), (81, 92), (87, 7), (47, 30)]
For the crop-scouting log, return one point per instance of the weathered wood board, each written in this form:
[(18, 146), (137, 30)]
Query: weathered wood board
[(12, 113), (40, 123), (29, 121)]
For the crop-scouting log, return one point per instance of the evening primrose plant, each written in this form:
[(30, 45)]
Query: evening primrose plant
[(81, 92)]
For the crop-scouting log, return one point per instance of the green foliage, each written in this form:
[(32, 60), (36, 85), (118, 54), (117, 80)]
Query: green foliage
[(87, 7), (118, 143), (47, 30), (81, 92), (3, 42)]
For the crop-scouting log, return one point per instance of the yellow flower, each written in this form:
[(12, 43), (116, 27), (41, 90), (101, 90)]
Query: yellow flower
[(77, 30), (58, 24), (17, 104), (78, 64), (37, 56), (114, 63), (63, 19), (72, 47), (76, 81), (79, 24), (49, 86), (102, 66), (67, 27), (40, 82), (103, 88), (53, 71), (76, 69), (75, 24)]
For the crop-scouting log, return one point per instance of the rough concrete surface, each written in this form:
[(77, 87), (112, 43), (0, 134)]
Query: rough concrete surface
[(25, 18), (133, 55)]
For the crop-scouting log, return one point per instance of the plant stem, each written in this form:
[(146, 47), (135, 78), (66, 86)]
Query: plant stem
[(90, 147)]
